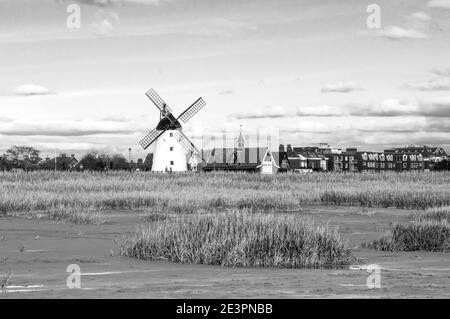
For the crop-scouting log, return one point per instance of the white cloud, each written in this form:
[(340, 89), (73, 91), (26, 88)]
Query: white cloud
[(222, 27), (432, 85), (397, 33), (32, 89), (440, 4), (422, 16), (5, 119), (320, 110), (104, 3), (274, 111), (435, 107), (227, 92), (342, 87), (441, 71), (103, 27)]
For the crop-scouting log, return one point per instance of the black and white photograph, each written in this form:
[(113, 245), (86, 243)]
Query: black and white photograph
[(246, 150)]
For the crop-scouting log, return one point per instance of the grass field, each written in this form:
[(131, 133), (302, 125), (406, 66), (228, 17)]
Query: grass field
[(61, 195)]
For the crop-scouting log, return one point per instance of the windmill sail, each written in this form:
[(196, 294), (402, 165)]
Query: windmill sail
[(192, 110), (150, 138), (187, 144), (158, 101)]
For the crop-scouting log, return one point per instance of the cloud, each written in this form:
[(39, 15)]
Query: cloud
[(432, 85), (62, 132), (341, 87), (319, 110), (32, 89), (423, 22), (268, 112), (435, 107), (105, 3), (227, 92), (5, 119), (66, 128), (103, 27), (222, 27), (397, 33), (369, 130), (422, 16), (439, 4), (441, 71)]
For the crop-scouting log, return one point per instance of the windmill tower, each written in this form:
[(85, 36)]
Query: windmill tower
[(171, 143)]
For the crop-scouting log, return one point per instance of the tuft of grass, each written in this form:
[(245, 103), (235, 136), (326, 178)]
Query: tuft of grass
[(238, 239), (151, 217), (428, 231), (79, 216), (5, 279), (436, 213)]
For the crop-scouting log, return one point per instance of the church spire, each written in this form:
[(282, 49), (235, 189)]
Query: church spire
[(240, 140)]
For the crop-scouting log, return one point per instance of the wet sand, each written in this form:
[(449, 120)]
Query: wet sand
[(39, 252)]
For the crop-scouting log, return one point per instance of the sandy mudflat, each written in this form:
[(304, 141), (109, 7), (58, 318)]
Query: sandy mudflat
[(40, 251)]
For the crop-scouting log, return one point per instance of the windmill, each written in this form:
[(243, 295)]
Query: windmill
[(171, 143)]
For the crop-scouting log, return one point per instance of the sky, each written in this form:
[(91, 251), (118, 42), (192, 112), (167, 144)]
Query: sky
[(312, 71)]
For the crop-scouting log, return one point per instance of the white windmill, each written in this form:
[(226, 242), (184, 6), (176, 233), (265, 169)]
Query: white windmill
[(171, 143)]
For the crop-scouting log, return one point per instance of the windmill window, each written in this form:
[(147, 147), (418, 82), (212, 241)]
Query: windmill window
[(171, 134), (171, 148), (171, 162)]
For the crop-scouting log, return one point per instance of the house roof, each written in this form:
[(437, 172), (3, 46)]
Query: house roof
[(63, 159), (304, 155), (247, 155), (424, 150)]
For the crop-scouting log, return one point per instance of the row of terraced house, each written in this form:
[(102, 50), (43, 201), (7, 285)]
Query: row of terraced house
[(324, 157)]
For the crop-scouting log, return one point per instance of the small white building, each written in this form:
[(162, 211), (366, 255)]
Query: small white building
[(193, 163), (268, 164)]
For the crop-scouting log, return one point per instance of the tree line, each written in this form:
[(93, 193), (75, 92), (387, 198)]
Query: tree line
[(29, 158)]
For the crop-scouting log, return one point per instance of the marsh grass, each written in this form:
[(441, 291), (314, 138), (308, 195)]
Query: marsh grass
[(5, 279), (58, 195), (79, 216), (429, 230), (238, 239), (436, 213), (151, 217)]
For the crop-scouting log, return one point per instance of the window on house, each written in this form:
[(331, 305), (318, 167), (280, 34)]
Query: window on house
[(171, 162), (171, 134), (405, 165), (171, 148)]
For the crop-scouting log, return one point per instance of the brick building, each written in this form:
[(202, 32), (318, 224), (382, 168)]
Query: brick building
[(353, 160), (431, 155)]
